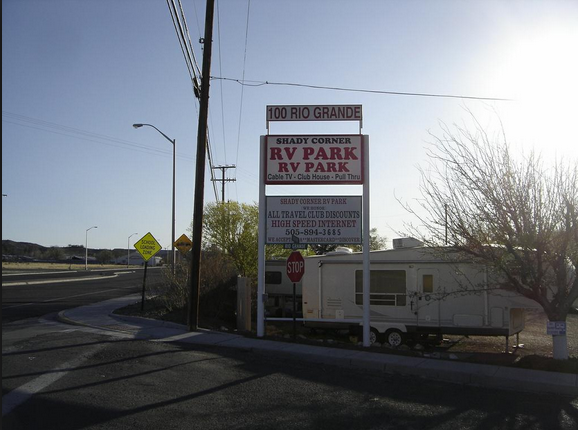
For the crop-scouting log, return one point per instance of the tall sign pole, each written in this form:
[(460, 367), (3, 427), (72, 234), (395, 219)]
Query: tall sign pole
[(195, 278), (366, 256), (325, 159), (261, 238)]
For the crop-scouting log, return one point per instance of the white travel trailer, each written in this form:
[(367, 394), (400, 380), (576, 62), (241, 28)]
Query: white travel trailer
[(279, 290), (415, 291)]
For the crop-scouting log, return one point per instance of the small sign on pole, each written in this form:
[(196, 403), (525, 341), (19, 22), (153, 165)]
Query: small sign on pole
[(295, 266), (183, 244), (147, 247), (295, 271), (556, 328)]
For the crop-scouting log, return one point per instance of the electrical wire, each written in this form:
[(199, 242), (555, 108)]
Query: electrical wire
[(188, 38), (242, 88), (221, 83), (63, 130), (183, 36), (249, 83), (188, 53)]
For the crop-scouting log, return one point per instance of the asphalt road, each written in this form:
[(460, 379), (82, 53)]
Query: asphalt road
[(27, 295), (58, 376), (92, 381)]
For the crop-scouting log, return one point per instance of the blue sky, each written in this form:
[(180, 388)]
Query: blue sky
[(77, 75)]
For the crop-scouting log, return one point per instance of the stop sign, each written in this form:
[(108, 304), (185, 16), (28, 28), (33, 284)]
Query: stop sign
[(295, 266)]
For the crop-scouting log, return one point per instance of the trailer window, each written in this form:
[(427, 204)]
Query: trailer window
[(274, 278), (387, 287), (427, 282)]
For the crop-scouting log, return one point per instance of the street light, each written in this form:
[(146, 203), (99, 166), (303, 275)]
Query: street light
[(128, 249), (174, 142), (86, 248)]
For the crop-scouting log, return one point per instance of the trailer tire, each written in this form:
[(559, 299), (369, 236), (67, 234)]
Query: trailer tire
[(374, 336), (394, 337)]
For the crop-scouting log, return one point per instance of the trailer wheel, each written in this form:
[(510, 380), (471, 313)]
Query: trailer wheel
[(394, 337), (374, 336)]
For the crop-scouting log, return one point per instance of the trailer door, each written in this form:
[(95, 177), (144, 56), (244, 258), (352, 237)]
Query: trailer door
[(428, 298)]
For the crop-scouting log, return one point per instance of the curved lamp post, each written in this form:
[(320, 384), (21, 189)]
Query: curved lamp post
[(128, 250), (174, 142), (86, 248)]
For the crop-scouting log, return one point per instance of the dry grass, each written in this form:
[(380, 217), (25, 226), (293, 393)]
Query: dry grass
[(57, 266)]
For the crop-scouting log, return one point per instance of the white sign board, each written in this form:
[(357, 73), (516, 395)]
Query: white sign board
[(314, 159), (314, 113), (314, 220), (556, 328)]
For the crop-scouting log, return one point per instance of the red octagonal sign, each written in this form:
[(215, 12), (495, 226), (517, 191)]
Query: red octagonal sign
[(295, 266)]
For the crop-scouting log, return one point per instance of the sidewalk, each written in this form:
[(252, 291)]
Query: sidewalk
[(99, 315)]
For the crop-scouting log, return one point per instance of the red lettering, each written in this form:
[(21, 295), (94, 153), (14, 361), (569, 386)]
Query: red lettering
[(276, 154), (290, 152), (321, 155), (349, 154), (336, 153)]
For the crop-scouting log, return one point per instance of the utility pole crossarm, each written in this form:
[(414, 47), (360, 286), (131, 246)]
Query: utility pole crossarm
[(223, 179)]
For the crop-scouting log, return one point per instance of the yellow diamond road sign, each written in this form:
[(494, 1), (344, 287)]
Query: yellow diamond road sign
[(183, 244), (147, 246)]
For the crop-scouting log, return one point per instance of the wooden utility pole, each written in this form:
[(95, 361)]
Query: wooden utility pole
[(195, 278), (223, 179)]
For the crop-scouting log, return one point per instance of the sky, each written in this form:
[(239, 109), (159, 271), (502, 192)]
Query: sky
[(77, 75)]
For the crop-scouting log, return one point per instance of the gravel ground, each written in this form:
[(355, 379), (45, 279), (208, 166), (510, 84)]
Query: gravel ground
[(534, 352), (534, 339)]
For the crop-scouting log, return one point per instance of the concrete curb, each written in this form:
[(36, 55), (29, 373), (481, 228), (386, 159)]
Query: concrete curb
[(137, 320), (480, 375), (64, 319)]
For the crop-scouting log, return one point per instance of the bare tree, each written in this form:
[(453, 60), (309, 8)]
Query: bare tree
[(514, 215)]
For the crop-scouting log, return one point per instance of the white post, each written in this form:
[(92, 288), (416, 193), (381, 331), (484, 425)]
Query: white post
[(560, 347), (86, 247), (261, 242), (366, 228), (86, 250), (128, 250)]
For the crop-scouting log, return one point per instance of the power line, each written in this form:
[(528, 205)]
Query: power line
[(63, 130), (242, 88), (249, 83), (181, 28), (183, 36), (221, 83)]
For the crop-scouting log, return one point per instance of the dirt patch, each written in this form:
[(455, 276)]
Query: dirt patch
[(155, 308)]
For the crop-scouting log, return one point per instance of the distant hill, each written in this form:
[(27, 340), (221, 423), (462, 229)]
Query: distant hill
[(25, 250)]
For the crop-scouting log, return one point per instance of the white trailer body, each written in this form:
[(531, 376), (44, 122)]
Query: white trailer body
[(279, 291), (413, 292)]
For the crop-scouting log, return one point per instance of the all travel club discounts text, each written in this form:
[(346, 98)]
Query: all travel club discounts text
[(314, 219)]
